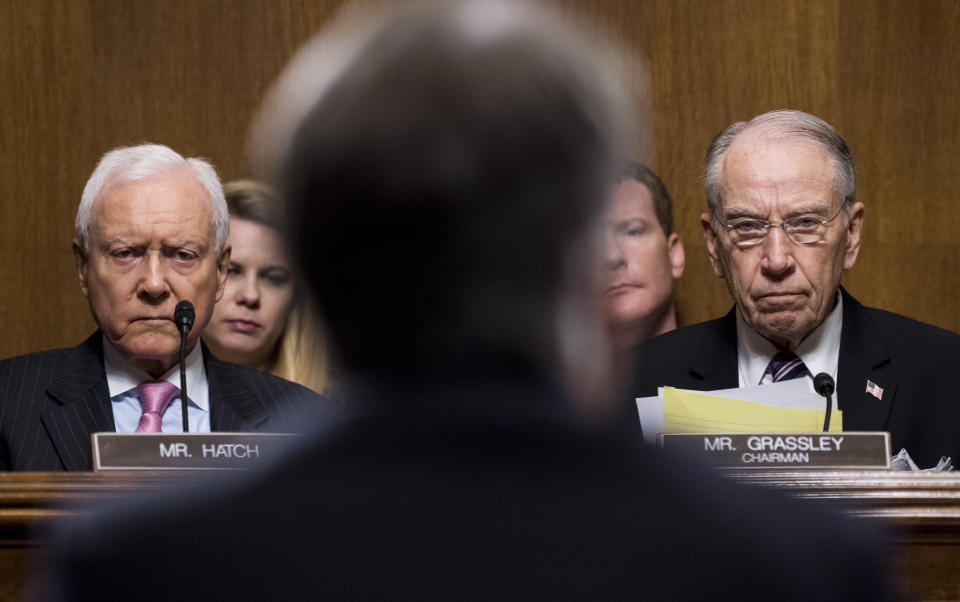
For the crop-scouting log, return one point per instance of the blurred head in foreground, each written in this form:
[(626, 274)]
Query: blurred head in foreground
[(644, 257), (446, 168)]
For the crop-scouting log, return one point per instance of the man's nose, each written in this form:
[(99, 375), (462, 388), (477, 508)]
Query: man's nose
[(614, 257), (249, 292), (154, 282), (778, 250)]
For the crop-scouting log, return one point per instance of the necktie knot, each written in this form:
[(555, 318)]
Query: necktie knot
[(785, 365), (155, 397)]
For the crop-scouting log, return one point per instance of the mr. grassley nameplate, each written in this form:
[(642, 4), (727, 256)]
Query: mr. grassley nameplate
[(186, 451), (785, 450)]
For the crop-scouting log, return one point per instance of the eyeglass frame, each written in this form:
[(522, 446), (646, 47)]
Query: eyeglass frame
[(766, 224)]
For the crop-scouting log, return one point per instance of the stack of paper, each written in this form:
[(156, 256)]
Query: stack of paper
[(786, 407)]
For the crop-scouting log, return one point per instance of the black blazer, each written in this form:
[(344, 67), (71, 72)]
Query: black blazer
[(914, 363), (484, 491), (52, 401)]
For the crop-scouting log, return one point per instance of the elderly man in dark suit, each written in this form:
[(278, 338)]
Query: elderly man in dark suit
[(446, 179), (151, 231), (782, 226)]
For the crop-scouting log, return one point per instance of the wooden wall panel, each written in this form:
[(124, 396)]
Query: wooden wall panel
[(84, 76), (899, 87), (44, 55)]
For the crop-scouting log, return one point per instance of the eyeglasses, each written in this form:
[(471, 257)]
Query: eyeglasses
[(803, 229)]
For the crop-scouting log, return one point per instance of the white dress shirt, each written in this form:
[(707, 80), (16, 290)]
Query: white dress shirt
[(122, 377), (819, 351)]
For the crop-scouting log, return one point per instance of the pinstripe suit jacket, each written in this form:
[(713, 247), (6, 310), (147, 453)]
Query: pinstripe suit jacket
[(51, 402)]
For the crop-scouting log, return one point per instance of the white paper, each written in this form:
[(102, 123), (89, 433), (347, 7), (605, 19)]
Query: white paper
[(796, 393), (651, 417)]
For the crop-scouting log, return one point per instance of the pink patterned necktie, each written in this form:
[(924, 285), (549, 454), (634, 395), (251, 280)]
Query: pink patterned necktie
[(154, 396)]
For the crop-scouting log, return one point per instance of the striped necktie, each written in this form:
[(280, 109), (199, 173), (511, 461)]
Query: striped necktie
[(785, 365)]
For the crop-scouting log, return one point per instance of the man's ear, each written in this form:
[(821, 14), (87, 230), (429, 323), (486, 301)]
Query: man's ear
[(678, 257), (82, 262), (854, 234), (710, 236), (223, 264)]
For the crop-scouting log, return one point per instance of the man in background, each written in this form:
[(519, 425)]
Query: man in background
[(446, 167), (151, 230), (782, 226), (644, 258)]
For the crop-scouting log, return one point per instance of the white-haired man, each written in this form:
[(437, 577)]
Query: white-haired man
[(150, 232), (782, 227)]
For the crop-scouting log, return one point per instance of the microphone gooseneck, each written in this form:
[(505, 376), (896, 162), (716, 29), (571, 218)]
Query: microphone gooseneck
[(824, 385), (183, 316)]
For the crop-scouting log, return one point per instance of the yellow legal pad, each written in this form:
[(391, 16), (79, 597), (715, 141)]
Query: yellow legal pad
[(691, 412)]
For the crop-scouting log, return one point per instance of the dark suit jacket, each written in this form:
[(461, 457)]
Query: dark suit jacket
[(479, 492), (914, 363), (52, 401)]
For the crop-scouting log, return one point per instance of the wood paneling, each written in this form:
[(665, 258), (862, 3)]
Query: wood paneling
[(84, 76)]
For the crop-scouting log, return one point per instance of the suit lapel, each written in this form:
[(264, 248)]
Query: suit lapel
[(80, 403), (235, 405), (716, 361), (863, 359)]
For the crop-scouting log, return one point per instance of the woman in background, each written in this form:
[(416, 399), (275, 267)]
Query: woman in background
[(261, 321)]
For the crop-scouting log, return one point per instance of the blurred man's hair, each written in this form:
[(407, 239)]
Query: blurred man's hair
[(443, 183), (662, 203)]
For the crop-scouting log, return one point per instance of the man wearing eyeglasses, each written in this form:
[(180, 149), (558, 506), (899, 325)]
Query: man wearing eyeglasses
[(782, 227)]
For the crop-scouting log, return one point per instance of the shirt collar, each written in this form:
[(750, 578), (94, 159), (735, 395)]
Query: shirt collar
[(820, 350), (123, 376)]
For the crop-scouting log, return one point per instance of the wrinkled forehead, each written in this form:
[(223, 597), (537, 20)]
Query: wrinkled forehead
[(768, 165), (175, 198)]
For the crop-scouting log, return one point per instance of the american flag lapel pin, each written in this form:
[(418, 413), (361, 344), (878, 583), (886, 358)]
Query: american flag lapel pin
[(874, 389)]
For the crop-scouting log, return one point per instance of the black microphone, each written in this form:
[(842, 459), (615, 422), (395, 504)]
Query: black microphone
[(824, 385), (183, 317)]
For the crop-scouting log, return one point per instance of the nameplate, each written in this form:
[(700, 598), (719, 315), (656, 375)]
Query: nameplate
[(187, 451), (793, 450)]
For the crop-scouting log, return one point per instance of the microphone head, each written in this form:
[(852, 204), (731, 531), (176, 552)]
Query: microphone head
[(823, 384), (183, 316)]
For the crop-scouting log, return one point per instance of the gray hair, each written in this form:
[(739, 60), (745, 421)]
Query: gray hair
[(330, 57), (133, 163), (454, 132), (784, 123)]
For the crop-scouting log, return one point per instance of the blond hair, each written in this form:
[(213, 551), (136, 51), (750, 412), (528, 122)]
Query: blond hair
[(301, 353), (302, 357)]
